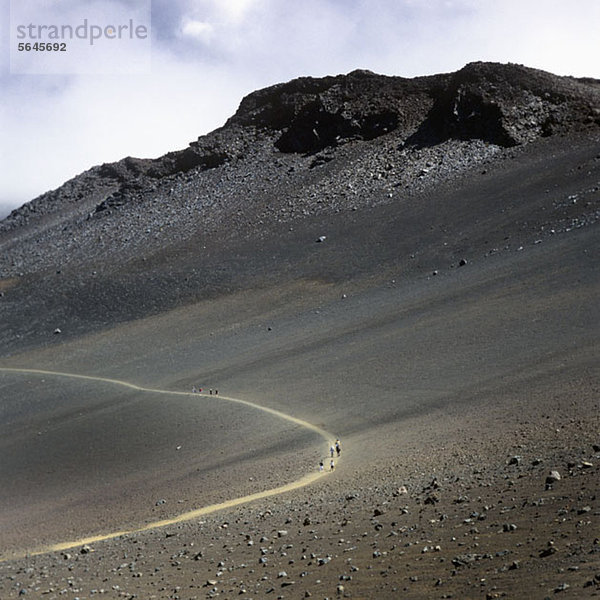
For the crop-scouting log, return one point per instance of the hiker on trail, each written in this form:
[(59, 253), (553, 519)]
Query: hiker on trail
[(321, 466), (193, 389), (338, 447), (210, 391), (331, 450), (332, 465)]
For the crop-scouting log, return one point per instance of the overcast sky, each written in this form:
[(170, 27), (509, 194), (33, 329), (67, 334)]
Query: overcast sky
[(207, 54)]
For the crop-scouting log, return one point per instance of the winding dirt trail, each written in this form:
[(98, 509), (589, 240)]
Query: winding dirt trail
[(186, 516)]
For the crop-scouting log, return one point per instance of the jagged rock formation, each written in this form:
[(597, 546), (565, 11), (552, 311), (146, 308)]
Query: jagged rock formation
[(501, 104)]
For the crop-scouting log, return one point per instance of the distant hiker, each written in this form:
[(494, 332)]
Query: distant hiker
[(216, 392), (332, 465), (210, 392), (321, 466), (331, 451), (338, 447), (194, 389)]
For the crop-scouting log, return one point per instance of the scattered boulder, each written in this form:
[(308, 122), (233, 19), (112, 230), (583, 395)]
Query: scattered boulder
[(462, 560), (549, 551), (400, 491), (552, 478)]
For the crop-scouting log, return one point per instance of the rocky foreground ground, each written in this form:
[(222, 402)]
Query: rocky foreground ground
[(503, 505)]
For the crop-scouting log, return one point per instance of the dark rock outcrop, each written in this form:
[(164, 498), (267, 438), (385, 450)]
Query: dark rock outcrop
[(312, 114), (508, 105)]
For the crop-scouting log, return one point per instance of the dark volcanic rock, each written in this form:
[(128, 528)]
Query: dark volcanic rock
[(313, 114), (508, 105)]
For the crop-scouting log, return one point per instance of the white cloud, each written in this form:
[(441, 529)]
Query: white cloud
[(199, 30), (206, 54), (236, 10)]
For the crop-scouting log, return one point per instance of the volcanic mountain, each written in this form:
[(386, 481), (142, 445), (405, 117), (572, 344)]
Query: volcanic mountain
[(297, 160), (409, 263)]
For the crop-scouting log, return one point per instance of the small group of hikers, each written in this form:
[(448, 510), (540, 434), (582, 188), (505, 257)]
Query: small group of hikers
[(335, 449), (198, 390)]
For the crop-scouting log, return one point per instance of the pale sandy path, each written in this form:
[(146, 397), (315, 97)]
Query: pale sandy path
[(193, 514)]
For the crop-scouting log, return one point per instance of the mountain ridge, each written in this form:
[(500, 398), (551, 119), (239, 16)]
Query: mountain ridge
[(506, 105), (338, 157)]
